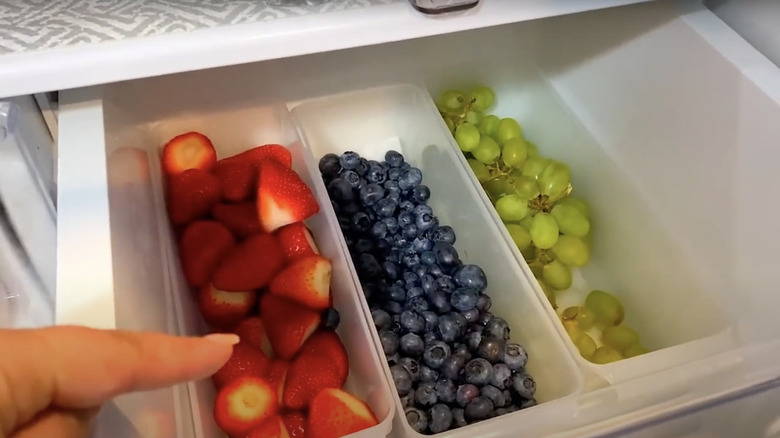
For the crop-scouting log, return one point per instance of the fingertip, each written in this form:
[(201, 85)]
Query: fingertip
[(229, 339)]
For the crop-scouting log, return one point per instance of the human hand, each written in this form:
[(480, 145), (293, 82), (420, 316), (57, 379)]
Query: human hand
[(53, 380)]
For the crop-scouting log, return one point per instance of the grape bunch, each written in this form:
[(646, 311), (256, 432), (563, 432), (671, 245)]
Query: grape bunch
[(451, 359), (532, 194)]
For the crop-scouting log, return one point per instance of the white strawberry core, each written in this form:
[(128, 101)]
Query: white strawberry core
[(274, 216), (321, 277), (354, 404), (235, 298)]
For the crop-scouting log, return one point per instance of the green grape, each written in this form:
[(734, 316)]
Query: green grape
[(580, 314), (586, 346), (526, 222), (488, 125), (525, 186), (571, 250), (606, 308), (634, 350), (512, 208), (549, 293), (480, 170), (619, 337), (544, 231), (474, 117), (570, 221), (557, 275), (573, 330), (496, 188), (508, 129), (467, 137), (534, 167), (605, 354), (514, 153), (577, 203), (537, 268), (554, 181), (487, 151), (452, 100), (520, 236), (483, 98), (528, 253), (533, 151)]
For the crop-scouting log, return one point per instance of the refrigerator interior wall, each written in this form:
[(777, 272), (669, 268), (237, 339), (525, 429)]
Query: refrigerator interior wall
[(757, 21)]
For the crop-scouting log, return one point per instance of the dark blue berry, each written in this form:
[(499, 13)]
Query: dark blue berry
[(331, 318), (361, 221), (435, 270), (444, 234), (362, 167), (382, 319), (401, 378), (425, 222), (460, 320), (480, 408), (445, 284), (329, 165), (411, 345), (422, 245), (410, 179), (412, 322), (428, 283), (407, 206), (448, 328), (412, 366), (352, 178), (363, 246), (411, 279), (368, 266), (391, 225), (410, 231), (405, 218), (395, 325), (435, 353), (378, 231), (369, 291), (491, 348), (445, 390), (498, 327), (410, 260), (515, 356), (425, 395), (370, 194), (470, 276), (421, 193), (385, 208), (472, 315), (458, 417), (428, 374), (464, 298), (422, 209), (526, 404), (484, 318), (484, 303), (420, 270), (389, 341), (394, 158), (414, 291), (452, 368), (446, 255), (431, 320), (478, 371), (417, 304), (417, 419), (523, 385), (395, 293), (462, 350), (465, 394), (376, 174), (393, 174), (340, 191), (393, 307), (439, 301), (407, 400), (349, 160), (430, 336), (495, 395), (440, 418), (473, 339), (392, 189), (501, 376)]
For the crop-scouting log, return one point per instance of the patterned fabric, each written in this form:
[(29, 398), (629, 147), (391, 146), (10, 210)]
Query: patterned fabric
[(27, 25)]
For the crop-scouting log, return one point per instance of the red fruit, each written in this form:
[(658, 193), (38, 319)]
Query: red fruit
[(249, 265), (223, 309), (326, 343), (282, 196), (252, 331), (272, 427), (276, 374), (202, 246), (241, 219), (192, 194), (288, 323), (245, 361), (236, 179), (244, 404), (334, 413), (192, 150), (308, 375), (295, 422), (306, 280), (296, 241), (258, 154)]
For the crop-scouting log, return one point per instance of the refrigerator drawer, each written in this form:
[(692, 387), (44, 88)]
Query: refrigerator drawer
[(665, 116)]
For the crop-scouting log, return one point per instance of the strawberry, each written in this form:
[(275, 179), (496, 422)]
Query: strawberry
[(236, 179), (258, 154), (306, 280), (244, 404), (296, 241), (282, 196), (295, 422), (308, 374), (223, 309), (241, 219), (327, 343), (276, 374), (252, 331), (288, 323), (272, 427), (249, 265), (191, 195), (202, 245), (334, 413), (245, 361), (192, 150)]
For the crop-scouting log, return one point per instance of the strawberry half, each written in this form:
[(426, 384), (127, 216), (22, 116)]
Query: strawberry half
[(306, 280), (223, 309), (202, 246), (326, 343), (276, 374), (272, 427), (249, 265), (288, 323), (334, 413), (296, 241), (241, 219), (237, 179), (308, 375), (282, 197), (252, 331), (192, 150), (295, 422), (245, 361), (244, 404), (191, 195), (258, 154)]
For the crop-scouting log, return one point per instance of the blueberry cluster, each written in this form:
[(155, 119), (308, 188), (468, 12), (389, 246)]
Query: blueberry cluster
[(451, 359)]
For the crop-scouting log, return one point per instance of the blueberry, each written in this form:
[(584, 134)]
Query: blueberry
[(484, 318), (444, 234), (428, 283), (435, 270), (448, 328), (407, 206), (445, 390), (494, 395), (412, 321), (478, 371), (465, 394), (528, 403), (421, 193), (417, 419), (410, 179), (428, 374), (349, 160), (421, 245), (515, 356), (458, 417), (464, 299), (340, 191), (414, 292), (370, 194), (361, 222), (473, 339), (368, 266), (472, 315), (421, 209), (491, 348), (412, 366), (409, 231), (330, 318), (428, 257), (498, 327), (479, 409), (501, 376), (430, 336), (389, 341), (394, 158), (363, 245), (484, 303), (411, 279), (410, 260), (393, 174), (401, 378), (362, 167), (420, 270), (329, 165), (376, 174), (411, 345), (440, 418), (523, 385), (507, 397), (435, 353), (395, 326), (352, 178), (382, 319), (378, 231), (460, 320), (425, 222), (425, 395), (391, 224), (395, 293), (392, 189), (471, 276), (369, 291), (418, 304), (445, 284), (407, 400), (446, 254), (393, 307), (350, 208), (452, 368), (462, 350), (385, 207)]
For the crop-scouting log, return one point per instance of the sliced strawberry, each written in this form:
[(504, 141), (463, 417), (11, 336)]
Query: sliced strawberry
[(245, 361), (272, 427), (296, 241), (334, 413), (288, 323), (282, 197), (326, 343), (237, 179), (201, 247), (252, 331), (276, 374), (306, 280), (241, 219), (295, 422), (223, 309), (191, 195), (244, 404), (308, 375), (192, 150), (258, 154), (249, 265)]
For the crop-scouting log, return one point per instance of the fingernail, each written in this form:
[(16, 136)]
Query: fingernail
[(223, 338)]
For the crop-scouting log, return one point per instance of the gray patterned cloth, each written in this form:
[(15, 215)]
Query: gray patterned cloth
[(28, 25)]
